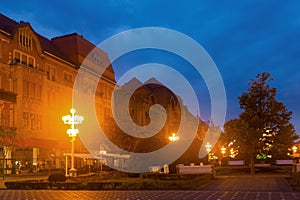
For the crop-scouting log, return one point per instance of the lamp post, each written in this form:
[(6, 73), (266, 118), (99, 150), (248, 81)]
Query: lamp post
[(223, 150), (295, 154), (294, 148), (72, 120), (208, 149)]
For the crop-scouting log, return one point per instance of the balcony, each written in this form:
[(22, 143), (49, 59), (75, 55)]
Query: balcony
[(8, 96)]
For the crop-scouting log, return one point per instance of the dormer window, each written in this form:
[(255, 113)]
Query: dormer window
[(97, 59)]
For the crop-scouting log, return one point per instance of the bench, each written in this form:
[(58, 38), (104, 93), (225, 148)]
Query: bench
[(236, 162), (284, 162), (194, 169)]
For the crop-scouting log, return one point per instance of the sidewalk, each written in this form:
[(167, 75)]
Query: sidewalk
[(248, 182), (22, 177)]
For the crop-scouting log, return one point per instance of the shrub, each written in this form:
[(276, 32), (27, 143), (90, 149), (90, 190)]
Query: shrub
[(57, 177), (26, 185)]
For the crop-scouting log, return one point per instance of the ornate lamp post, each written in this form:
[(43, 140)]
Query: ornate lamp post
[(72, 120)]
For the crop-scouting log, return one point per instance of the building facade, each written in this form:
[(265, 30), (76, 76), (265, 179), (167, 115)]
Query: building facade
[(37, 76), (36, 84)]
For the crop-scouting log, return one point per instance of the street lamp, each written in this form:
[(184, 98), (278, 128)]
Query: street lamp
[(208, 147), (294, 148), (223, 150), (174, 137), (72, 120)]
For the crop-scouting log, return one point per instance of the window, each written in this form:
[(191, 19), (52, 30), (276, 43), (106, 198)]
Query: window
[(38, 122), (17, 56), (51, 98), (97, 59), (25, 39), (30, 62), (32, 121), (25, 88), (51, 72), (68, 78), (23, 58), (25, 120), (32, 90), (38, 92)]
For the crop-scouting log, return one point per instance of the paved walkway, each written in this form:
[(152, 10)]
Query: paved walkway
[(256, 182), (239, 187), (145, 195)]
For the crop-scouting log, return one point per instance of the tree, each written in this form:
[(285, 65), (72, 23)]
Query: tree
[(235, 136), (264, 125)]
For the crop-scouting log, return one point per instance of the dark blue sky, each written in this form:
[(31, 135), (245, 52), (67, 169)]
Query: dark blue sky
[(243, 39)]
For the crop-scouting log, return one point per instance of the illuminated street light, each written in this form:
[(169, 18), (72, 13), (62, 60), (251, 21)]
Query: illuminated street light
[(72, 120), (174, 137), (223, 150), (294, 148), (208, 147)]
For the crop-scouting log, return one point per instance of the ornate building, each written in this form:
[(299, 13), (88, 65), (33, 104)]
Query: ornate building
[(36, 83)]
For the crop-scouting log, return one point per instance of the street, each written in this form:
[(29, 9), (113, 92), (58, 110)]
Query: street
[(223, 187)]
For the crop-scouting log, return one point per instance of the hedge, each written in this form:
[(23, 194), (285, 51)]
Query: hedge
[(187, 182)]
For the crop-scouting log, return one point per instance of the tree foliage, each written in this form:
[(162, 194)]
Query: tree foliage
[(264, 125)]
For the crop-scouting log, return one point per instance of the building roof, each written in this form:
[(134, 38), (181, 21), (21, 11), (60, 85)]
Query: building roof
[(7, 25), (72, 48), (48, 46), (79, 49)]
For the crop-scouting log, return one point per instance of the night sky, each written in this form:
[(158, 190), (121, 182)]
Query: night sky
[(243, 39)]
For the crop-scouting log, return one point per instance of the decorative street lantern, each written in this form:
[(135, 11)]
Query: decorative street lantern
[(72, 120)]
